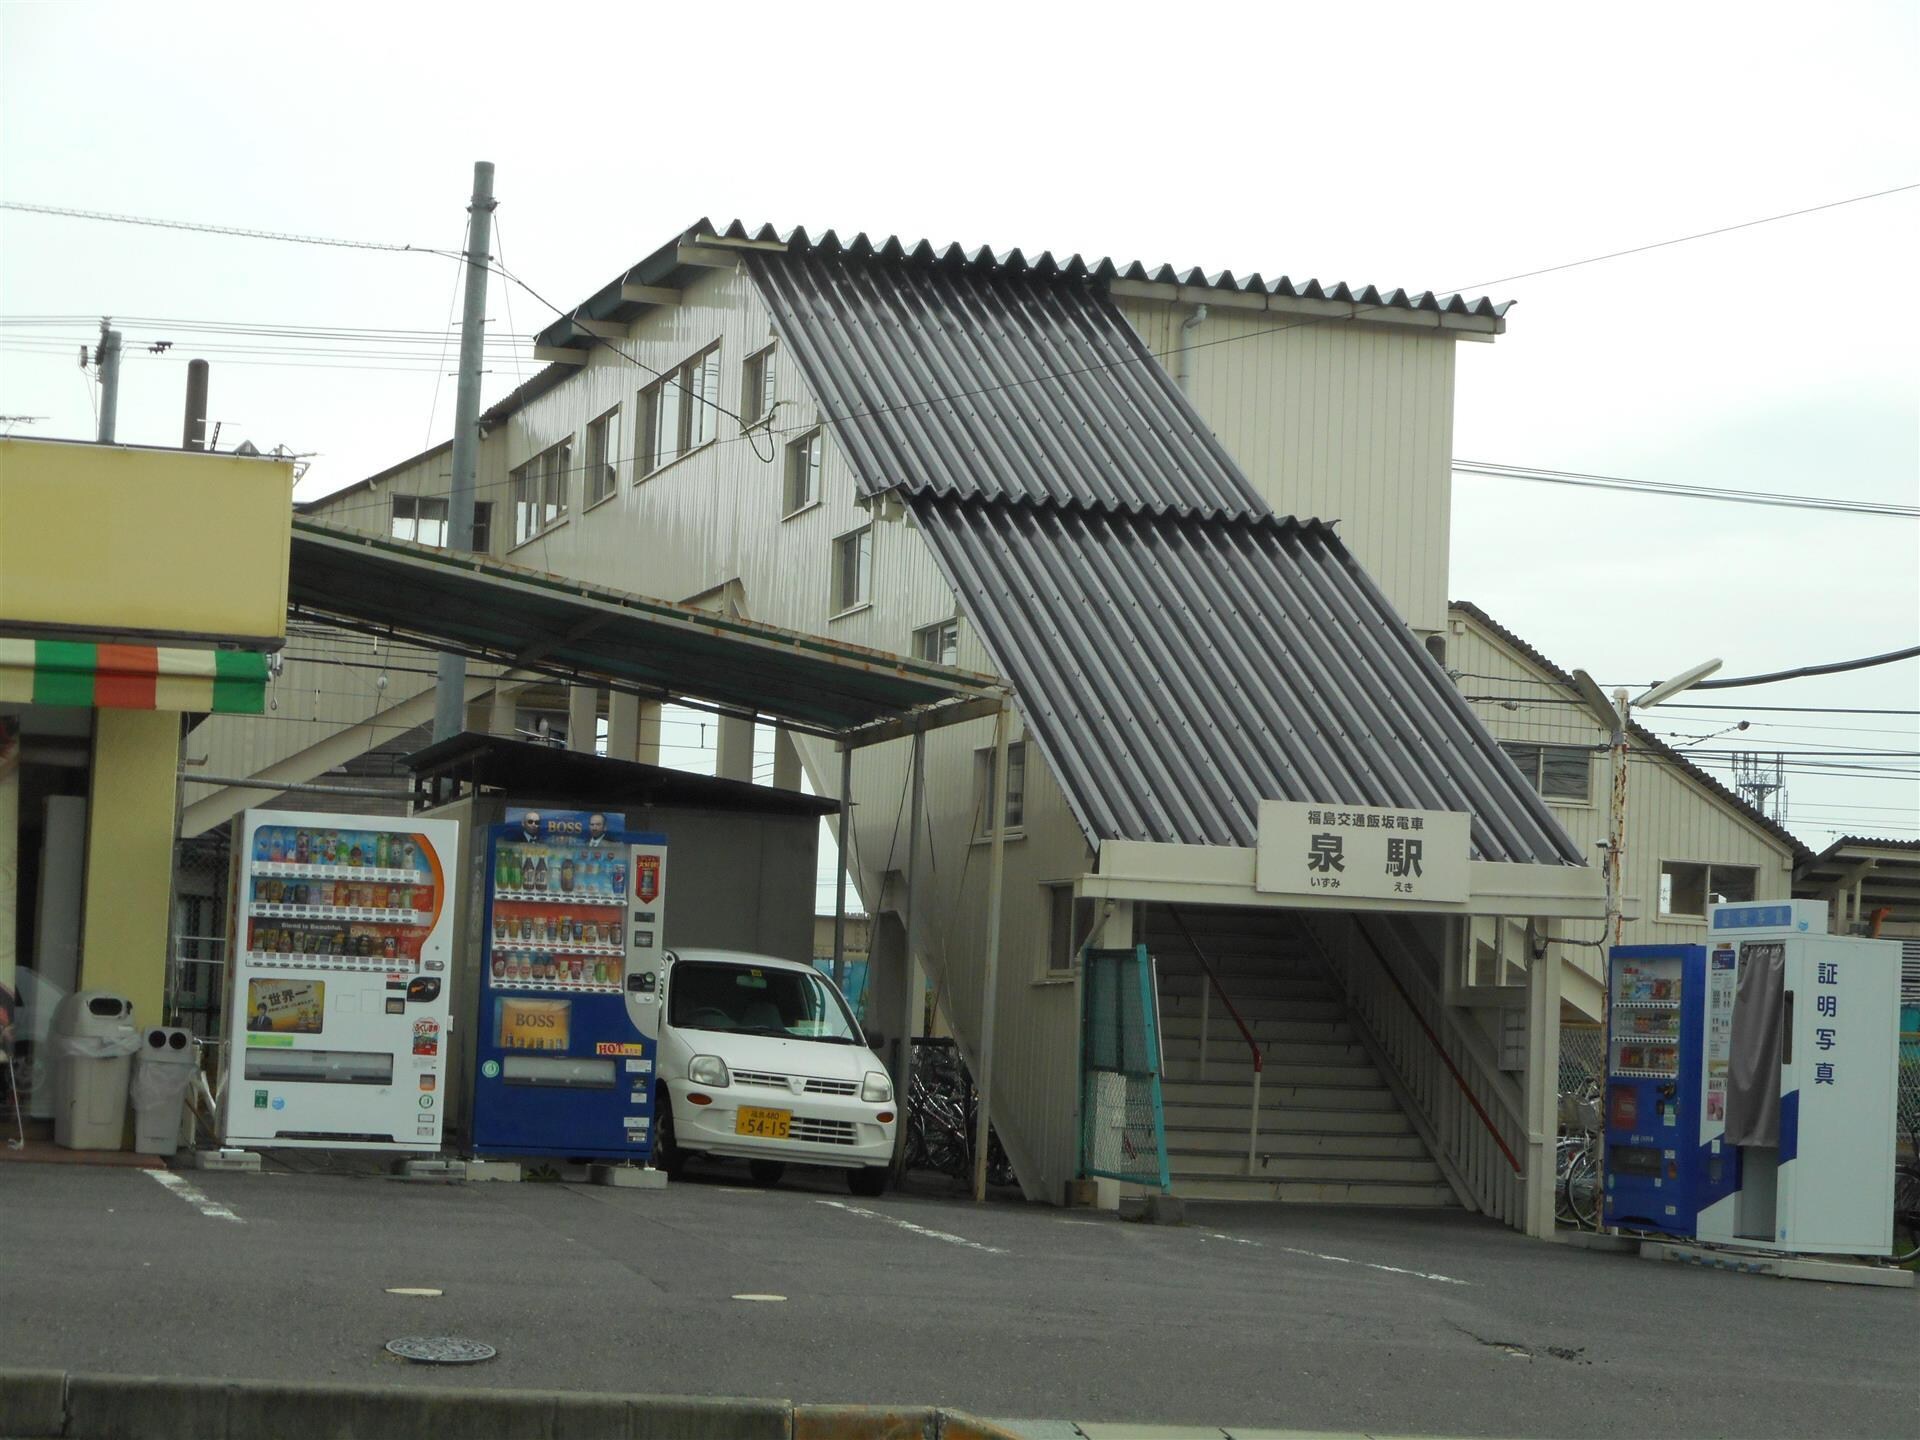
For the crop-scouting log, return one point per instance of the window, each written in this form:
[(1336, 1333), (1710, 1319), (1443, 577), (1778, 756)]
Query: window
[(421, 518), (803, 473), (424, 518), (603, 457), (1064, 927), (678, 412), (1559, 772), (1686, 888), (853, 569), (540, 492), (938, 643), (756, 387), (1016, 788)]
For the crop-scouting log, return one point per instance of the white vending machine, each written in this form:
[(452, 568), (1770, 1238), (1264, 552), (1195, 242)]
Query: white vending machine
[(341, 954), (1799, 1085)]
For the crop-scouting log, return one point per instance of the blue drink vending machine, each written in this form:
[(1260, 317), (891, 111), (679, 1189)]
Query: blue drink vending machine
[(569, 994), (1651, 1109)]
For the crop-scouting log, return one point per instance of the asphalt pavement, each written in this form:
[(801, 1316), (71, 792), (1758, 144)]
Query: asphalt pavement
[(1352, 1320)]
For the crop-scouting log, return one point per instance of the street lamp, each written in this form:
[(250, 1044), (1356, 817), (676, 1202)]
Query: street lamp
[(1615, 716)]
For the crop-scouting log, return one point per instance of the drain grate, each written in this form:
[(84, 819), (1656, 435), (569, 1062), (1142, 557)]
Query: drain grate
[(440, 1349)]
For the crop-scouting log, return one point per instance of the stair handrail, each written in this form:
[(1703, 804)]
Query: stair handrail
[(1438, 1048), (1259, 1060)]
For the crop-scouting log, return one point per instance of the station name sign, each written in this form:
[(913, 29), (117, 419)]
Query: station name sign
[(1363, 852)]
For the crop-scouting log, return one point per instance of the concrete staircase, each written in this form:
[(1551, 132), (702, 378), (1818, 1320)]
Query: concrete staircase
[(1330, 1129)]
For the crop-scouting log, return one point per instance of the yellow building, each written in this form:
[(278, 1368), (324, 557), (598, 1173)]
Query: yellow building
[(139, 590)]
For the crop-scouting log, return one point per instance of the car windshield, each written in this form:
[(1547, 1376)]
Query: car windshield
[(750, 999)]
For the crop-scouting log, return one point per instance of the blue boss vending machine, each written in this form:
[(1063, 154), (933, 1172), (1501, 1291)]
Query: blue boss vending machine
[(569, 994)]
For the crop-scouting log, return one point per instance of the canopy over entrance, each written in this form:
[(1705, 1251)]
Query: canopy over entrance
[(582, 633)]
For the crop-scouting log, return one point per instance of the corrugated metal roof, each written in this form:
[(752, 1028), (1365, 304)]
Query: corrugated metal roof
[(663, 267), (1004, 386), (1175, 671)]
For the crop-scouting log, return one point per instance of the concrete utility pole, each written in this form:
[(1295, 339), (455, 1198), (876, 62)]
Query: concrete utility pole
[(193, 433), (450, 705), (108, 358)]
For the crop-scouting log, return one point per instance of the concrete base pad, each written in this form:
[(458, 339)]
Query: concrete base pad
[(630, 1177), (1787, 1267), (243, 1161), (1154, 1209), (1592, 1240), (508, 1170), (442, 1170)]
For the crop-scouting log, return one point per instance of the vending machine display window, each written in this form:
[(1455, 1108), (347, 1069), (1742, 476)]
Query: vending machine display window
[(523, 1023)]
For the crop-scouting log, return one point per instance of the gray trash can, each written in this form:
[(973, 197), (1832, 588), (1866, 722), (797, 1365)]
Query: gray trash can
[(163, 1071), (93, 1039)]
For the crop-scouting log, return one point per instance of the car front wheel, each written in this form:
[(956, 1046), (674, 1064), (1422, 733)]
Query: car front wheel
[(869, 1181), (667, 1155)]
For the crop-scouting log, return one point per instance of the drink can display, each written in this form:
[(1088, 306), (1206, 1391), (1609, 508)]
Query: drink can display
[(499, 967), (499, 928), (382, 896)]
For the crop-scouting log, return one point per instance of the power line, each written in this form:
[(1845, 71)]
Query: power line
[(1833, 668), (1684, 490), (234, 230)]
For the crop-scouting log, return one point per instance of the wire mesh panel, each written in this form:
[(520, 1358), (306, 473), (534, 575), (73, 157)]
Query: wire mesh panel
[(197, 958), (1123, 1133)]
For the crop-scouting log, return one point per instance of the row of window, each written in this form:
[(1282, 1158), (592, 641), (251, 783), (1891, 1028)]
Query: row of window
[(674, 415)]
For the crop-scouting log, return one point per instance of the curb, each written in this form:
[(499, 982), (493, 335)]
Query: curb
[(57, 1405)]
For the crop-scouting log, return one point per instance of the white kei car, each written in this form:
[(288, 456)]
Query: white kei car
[(761, 1060)]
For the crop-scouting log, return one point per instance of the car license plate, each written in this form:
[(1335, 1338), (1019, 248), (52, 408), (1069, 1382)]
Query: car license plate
[(767, 1124)]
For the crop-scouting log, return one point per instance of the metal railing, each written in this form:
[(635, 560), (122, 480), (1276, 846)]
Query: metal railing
[(1259, 1060), (1470, 1112)]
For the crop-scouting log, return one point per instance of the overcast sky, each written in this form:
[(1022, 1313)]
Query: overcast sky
[(1419, 146)]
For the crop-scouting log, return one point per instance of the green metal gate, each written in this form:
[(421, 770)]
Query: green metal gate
[(1123, 1131)]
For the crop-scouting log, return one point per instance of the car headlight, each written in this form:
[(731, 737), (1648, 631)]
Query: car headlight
[(876, 1089), (708, 1070)]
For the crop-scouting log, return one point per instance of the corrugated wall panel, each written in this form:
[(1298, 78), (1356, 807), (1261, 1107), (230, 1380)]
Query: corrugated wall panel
[(1332, 420)]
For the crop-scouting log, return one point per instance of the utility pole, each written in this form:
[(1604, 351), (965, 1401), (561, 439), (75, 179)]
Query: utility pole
[(108, 358), (450, 700), (193, 432)]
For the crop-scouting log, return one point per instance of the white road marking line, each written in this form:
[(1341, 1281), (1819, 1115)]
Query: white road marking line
[(1340, 1259), (768, 1299), (951, 1239), (193, 1196)]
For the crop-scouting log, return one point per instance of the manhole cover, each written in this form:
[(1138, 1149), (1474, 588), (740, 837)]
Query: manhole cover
[(440, 1349)]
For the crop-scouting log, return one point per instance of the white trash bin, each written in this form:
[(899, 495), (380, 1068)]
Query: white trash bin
[(163, 1071), (93, 1039)]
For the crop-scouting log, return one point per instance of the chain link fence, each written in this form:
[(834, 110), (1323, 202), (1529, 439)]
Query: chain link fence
[(197, 948)]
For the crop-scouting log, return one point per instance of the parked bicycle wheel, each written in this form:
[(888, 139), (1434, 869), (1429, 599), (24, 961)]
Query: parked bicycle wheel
[(1583, 1188)]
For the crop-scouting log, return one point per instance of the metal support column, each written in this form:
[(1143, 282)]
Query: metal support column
[(845, 841), (990, 982), (1542, 1098), (910, 997)]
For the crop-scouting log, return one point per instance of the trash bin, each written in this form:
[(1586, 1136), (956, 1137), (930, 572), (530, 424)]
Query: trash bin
[(93, 1040), (163, 1071)]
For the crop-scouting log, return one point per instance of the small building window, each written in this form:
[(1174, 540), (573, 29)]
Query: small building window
[(421, 519), (1064, 927), (938, 643), (803, 472), (756, 387), (482, 526), (678, 412), (603, 457), (1016, 788), (540, 492), (1686, 889), (853, 569), (1559, 772)]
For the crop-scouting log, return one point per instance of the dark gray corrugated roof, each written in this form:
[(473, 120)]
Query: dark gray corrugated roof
[(948, 382), (1177, 670), (663, 267)]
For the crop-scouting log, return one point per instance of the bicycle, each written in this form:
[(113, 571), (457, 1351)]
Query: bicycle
[(1906, 1201), (1576, 1193)]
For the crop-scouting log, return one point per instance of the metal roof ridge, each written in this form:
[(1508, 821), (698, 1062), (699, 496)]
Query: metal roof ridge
[(1251, 520)]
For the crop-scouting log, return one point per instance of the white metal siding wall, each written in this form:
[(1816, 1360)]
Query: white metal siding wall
[(714, 516), (1335, 420), (1670, 815)]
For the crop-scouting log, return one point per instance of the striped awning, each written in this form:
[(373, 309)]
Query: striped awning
[(133, 677)]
